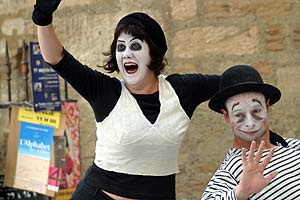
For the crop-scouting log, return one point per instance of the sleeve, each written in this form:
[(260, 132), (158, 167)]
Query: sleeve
[(220, 187), (193, 89), (201, 87), (204, 86), (100, 90), (88, 82)]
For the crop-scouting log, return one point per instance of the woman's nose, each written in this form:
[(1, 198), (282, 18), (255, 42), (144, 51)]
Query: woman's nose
[(127, 53)]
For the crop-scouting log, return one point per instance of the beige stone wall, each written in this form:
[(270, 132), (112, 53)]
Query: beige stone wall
[(203, 36)]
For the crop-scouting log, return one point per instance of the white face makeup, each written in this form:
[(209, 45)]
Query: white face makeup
[(133, 57), (247, 115)]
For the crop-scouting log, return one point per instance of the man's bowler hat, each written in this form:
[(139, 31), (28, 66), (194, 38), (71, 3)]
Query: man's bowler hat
[(239, 79)]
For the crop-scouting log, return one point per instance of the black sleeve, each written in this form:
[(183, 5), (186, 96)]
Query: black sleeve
[(193, 89), (100, 90)]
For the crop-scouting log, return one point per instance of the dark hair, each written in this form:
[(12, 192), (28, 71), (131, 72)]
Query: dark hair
[(158, 61)]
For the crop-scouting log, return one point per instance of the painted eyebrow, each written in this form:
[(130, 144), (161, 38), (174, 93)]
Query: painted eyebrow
[(122, 41), (256, 100), (235, 105), (130, 40), (134, 39)]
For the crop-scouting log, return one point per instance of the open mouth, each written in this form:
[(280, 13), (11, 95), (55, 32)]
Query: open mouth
[(130, 67)]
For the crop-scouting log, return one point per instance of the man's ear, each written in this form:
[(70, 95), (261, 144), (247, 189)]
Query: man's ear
[(225, 115), (268, 105)]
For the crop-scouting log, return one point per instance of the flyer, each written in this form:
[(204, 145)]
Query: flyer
[(45, 82), (33, 157)]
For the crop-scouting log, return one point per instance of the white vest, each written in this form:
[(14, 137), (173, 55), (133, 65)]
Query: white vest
[(128, 143)]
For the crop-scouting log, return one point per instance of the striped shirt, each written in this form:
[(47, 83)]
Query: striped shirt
[(285, 186)]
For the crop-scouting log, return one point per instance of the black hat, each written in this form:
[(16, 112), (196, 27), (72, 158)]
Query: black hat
[(239, 79), (150, 26)]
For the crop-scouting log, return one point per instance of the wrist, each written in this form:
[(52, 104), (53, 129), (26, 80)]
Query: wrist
[(240, 195)]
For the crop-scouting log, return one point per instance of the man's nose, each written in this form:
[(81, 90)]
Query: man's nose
[(250, 122)]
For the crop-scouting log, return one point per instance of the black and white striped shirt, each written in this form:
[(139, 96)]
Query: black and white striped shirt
[(285, 186)]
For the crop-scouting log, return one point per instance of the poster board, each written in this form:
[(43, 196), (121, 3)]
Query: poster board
[(28, 160), (45, 82), (71, 171)]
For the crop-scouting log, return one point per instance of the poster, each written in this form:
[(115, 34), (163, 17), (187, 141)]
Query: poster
[(48, 118), (45, 82), (43, 151), (54, 178), (35, 146), (30, 149), (71, 171)]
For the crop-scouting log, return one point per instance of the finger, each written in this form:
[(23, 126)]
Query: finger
[(268, 158), (270, 176), (251, 152), (244, 155), (260, 151)]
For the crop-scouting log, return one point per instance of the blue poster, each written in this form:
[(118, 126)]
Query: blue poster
[(35, 140), (45, 82)]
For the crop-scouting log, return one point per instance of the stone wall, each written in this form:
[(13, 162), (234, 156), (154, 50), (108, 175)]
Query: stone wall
[(203, 36)]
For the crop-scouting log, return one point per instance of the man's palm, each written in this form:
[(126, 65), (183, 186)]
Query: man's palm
[(252, 179)]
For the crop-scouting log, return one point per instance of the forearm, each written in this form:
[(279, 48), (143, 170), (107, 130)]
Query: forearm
[(51, 48)]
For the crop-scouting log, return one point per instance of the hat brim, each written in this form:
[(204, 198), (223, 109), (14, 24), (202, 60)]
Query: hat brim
[(217, 102)]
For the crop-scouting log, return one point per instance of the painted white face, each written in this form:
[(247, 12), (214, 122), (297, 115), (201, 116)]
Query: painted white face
[(133, 58), (247, 115)]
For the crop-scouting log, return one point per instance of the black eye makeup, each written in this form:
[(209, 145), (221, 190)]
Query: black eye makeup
[(121, 47), (135, 46)]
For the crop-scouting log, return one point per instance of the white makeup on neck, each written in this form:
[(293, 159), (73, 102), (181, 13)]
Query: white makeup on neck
[(247, 115), (133, 58)]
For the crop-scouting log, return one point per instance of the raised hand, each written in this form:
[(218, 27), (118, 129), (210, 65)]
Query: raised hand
[(43, 10), (252, 179)]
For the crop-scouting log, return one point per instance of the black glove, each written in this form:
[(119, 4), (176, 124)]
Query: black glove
[(43, 10)]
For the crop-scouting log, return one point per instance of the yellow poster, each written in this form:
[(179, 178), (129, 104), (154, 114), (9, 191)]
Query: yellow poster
[(48, 118)]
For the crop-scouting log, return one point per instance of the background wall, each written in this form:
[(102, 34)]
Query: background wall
[(203, 36)]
